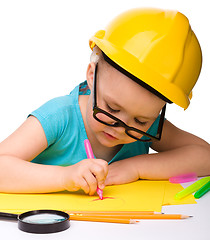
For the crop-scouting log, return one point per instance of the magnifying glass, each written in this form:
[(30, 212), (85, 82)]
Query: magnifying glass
[(40, 221)]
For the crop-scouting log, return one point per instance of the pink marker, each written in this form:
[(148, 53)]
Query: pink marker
[(100, 193), (89, 153), (184, 178)]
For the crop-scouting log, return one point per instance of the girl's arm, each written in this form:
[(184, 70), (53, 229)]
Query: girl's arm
[(179, 152), (19, 175)]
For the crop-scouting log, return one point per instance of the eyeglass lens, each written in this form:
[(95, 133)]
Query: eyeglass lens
[(103, 118)]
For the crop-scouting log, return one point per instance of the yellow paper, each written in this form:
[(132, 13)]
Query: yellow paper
[(171, 190), (136, 196)]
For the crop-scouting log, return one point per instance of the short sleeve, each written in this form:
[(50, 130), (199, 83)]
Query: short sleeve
[(54, 116)]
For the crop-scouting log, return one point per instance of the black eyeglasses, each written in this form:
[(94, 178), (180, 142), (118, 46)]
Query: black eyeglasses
[(108, 119)]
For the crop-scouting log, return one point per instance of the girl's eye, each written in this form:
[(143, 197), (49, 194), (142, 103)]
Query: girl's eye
[(111, 109), (140, 123)]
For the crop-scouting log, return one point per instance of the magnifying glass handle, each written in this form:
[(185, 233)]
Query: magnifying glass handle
[(8, 216)]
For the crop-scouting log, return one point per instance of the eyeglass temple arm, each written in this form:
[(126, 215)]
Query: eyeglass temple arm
[(160, 127), (94, 86)]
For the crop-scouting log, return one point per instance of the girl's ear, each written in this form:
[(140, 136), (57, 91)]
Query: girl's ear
[(90, 74)]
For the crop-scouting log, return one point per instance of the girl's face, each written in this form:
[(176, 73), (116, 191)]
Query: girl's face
[(122, 97)]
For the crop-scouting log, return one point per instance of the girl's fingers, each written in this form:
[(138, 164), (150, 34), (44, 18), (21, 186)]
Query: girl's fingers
[(91, 181), (100, 172), (84, 185)]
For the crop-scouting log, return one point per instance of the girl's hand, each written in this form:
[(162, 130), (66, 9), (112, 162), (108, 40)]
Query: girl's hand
[(87, 174), (122, 172)]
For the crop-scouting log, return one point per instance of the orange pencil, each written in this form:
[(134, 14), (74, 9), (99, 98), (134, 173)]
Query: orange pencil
[(126, 216), (122, 216), (163, 216), (103, 219), (108, 213)]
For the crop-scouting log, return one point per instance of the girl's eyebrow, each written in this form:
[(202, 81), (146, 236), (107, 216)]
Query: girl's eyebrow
[(121, 107)]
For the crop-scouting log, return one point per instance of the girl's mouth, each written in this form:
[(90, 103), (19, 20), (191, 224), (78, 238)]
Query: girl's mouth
[(109, 136)]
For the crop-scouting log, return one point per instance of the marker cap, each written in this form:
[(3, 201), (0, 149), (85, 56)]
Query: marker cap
[(184, 178)]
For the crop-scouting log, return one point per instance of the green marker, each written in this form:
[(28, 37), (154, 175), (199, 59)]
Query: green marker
[(192, 188), (202, 190)]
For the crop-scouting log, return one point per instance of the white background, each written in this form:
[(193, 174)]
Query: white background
[(44, 52)]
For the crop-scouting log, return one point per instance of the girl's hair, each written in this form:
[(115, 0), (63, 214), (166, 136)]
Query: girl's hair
[(96, 55)]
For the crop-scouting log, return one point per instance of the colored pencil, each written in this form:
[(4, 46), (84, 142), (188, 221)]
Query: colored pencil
[(133, 216), (103, 219), (108, 213), (163, 216)]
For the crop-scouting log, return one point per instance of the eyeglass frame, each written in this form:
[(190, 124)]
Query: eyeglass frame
[(120, 123)]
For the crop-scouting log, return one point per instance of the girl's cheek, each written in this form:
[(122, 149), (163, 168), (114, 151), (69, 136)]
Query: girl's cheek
[(93, 123), (97, 126)]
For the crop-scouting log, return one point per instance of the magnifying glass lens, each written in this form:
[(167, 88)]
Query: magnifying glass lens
[(43, 218)]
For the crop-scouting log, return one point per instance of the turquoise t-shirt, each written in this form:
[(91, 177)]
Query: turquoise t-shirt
[(64, 128)]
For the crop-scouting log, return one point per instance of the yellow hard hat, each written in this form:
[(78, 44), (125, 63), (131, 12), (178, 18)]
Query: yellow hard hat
[(157, 47)]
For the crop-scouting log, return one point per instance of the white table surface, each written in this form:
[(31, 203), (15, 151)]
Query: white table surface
[(195, 228)]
